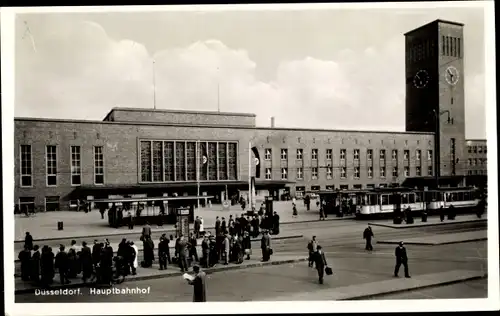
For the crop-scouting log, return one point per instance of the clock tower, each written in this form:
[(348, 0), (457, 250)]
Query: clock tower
[(435, 91)]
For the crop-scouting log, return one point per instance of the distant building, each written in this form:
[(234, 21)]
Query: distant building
[(158, 152)]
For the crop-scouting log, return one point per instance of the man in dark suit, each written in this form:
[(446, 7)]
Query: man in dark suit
[(217, 226), (223, 226), (28, 241), (401, 259), (320, 261), (35, 264), (199, 287), (86, 260), (197, 226), (368, 235), (25, 258), (162, 252), (265, 245), (146, 232), (62, 264)]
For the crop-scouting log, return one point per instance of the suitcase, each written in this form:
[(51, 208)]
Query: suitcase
[(328, 271)]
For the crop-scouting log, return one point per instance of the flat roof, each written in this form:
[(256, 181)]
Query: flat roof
[(72, 121), (434, 22), (177, 111)]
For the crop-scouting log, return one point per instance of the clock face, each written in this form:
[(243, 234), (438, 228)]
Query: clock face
[(421, 79), (452, 75)]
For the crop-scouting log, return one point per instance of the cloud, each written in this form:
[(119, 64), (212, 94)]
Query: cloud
[(80, 72)]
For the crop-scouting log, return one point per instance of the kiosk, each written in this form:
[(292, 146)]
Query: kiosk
[(183, 221)]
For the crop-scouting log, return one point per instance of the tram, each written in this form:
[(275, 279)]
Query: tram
[(383, 202)]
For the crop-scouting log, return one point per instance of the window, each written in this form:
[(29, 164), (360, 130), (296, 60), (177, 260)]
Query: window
[(329, 154), (429, 170), (469, 161), (51, 203), (356, 172), (382, 172), (469, 148), (407, 171), (268, 174), (300, 154), (356, 154), (26, 166), (98, 165), (329, 173), (343, 172), (475, 149), (369, 154), (268, 154), (284, 154), (300, 173), (406, 155), (394, 154), (344, 187), (418, 154), (484, 150), (474, 162), (382, 154), (419, 171), (458, 47), (342, 154), (222, 154), (479, 149), (314, 154), (370, 172), (395, 172), (27, 204), (76, 164), (145, 161), (314, 175), (51, 158), (429, 155), (284, 173), (442, 45)]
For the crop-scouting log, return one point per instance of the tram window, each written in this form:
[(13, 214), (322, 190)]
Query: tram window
[(440, 196), (418, 197), (393, 199), (467, 196), (385, 200), (411, 198)]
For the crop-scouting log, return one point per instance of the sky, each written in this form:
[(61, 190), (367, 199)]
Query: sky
[(334, 69)]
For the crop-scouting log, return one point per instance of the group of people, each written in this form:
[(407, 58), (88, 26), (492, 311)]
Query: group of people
[(95, 265)]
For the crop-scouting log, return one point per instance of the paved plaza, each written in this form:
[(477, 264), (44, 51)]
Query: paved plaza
[(442, 239), (80, 224), (431, 221)]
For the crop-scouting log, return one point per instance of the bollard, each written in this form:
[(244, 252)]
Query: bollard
[(60, 225)]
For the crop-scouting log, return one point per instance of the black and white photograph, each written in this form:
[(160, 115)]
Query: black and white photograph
[(297, 158)]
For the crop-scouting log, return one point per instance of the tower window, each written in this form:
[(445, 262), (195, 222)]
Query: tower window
[(458, 47), (451, 100), (443, 41)]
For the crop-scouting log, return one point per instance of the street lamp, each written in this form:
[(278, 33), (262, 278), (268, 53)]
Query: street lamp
[(437, 158)]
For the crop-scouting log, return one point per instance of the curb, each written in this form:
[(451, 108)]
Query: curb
[(364, 297), (176, 274), (433, 244), (171, 230), (403, 226), (252, 240)]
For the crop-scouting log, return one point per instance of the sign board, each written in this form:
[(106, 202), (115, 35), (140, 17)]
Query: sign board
[(226, 204), (183, 221)]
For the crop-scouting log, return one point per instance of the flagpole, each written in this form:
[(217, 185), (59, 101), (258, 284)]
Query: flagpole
[(198, 173), (154, 85), (249, 173)]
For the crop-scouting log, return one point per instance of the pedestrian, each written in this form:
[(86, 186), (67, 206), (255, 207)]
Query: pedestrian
[(205, 250), (213, 255), (226, 249), (294, 211), (451, 212), (47, 265), (148, 248), (106, 262), (312, 247), (441, 213), (247, 245), (265, 245), (35, 264), (28, 241), (321, 264), (183, 253), (217, 226), (86, 260), (146, 232), (25, 258), (96, 254), (130, 220), (368, 235), (193, 253), (162, 252), (223, 226), (62, 265), (199, 285), (276, 223), (134, 253), (401, 259), (197, 223), (202, 227)]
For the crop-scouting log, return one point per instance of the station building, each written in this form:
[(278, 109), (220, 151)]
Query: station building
[(166, 152)]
